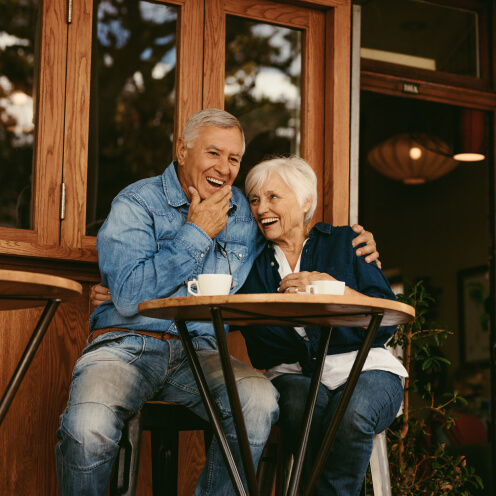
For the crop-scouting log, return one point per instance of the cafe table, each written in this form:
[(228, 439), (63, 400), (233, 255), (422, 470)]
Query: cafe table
[(325, 311), (19, 290)]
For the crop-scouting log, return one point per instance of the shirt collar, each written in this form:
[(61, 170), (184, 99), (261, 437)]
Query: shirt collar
[(174, 193)]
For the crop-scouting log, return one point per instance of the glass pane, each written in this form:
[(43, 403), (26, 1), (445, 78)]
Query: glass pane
[(18, 51), (262, 87), (132, 99), (421, 34)]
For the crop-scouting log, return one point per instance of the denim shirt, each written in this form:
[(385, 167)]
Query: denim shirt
[(328, 249), (147, 250)]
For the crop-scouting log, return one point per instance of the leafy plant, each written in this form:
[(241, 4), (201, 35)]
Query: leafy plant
[(418, 464)]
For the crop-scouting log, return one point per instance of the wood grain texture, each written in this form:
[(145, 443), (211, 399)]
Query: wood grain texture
[(59, 351), (430, 91), (27, 435), (337, 105), (47, 251), (191, 461), (190, 63), (77, 110), (275, 309), (214, 61), (49, 122), (48, 118), (73, 270), (19, 289), (313, 103), (20, 430)]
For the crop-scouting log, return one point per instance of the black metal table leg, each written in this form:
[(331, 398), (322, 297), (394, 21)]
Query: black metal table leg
[(232, 392), (27, 356), (209, 406), (309, 409), (356, 370)]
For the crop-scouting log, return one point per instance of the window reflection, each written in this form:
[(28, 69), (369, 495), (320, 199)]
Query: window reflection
[(421, 34), (262, 87), (18, 35), (132, 99)]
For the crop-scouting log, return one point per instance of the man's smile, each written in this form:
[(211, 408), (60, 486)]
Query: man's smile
[(215, 182)]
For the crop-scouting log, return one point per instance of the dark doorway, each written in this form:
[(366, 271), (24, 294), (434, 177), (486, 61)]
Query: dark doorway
[(438, 231)]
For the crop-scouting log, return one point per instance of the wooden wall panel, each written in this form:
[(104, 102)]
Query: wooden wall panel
[(20, 428), (27, 435)]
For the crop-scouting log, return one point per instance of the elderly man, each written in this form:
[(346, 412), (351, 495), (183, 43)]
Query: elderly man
[(162, 232)]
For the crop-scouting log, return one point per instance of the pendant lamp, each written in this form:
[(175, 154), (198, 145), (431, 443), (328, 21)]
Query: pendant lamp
[(469, 144), (412, 159)]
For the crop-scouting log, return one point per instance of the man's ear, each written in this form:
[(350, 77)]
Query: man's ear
[(181, 150)]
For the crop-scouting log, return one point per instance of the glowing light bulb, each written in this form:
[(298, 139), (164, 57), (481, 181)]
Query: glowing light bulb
[(415, 152)]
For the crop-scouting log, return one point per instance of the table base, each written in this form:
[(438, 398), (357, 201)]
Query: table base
[(248, 466)]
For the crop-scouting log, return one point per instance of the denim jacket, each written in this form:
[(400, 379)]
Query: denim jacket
[(147, 250), (328, 249)]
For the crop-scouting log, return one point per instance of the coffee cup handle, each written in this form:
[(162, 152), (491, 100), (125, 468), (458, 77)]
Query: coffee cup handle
[(194, 283), (311, 289)]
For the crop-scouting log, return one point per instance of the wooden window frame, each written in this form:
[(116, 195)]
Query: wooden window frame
[(48, 140), (61, 141)]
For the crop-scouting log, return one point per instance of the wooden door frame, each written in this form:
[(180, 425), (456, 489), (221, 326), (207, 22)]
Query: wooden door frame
[(325, 85)]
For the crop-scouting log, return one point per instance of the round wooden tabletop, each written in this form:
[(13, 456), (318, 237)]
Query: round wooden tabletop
[(30, 289), (279, 309)]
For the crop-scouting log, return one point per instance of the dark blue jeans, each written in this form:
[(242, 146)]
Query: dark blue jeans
[(372, 408)]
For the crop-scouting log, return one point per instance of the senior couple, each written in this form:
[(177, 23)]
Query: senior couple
[(162, 232)]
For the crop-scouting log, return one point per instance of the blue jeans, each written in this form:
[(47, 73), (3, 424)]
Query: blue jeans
[(372, 408), (114, 377)]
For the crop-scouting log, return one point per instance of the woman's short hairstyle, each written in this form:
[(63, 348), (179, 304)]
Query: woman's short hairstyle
[(209, 118), (295, 172)]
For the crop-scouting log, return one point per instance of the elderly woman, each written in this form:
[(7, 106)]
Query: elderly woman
[(283, 195)]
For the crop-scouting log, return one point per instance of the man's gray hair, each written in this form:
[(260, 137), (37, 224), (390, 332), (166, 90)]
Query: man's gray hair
[(295, 172), (209, 118)]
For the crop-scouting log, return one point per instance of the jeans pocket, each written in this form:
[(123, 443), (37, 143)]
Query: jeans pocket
[(123, 347)]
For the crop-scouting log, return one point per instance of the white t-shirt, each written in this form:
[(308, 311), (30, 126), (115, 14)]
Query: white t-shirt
[(337, 368)]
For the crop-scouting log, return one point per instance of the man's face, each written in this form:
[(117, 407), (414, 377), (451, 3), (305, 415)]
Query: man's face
[(212, 162)]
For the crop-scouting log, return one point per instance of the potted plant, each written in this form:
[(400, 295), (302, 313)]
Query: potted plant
[(418, 464)]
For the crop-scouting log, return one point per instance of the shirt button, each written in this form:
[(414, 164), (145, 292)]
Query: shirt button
[(208, 248), (202, 255), (240, 255), (272, 263)]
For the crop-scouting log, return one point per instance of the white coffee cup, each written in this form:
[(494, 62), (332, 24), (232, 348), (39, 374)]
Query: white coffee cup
[(325, 287), (210, 285)]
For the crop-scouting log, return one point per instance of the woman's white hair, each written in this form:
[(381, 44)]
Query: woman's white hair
[(209, 118), (295, 172)]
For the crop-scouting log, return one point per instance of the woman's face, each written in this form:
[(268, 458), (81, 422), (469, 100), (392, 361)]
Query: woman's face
[(278, 214)]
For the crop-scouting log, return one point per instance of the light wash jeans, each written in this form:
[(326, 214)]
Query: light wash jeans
[(112, 379), (372, 408)]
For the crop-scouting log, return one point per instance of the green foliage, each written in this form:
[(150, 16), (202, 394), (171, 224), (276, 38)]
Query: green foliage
[(419, 465)]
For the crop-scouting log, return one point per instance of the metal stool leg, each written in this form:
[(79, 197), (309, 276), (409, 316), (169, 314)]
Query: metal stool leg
[(165, 461), (125, 477), (379, 466)]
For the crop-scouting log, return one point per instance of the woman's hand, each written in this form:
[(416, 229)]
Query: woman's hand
[(99, 294), (297, 282), (369, 249)]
